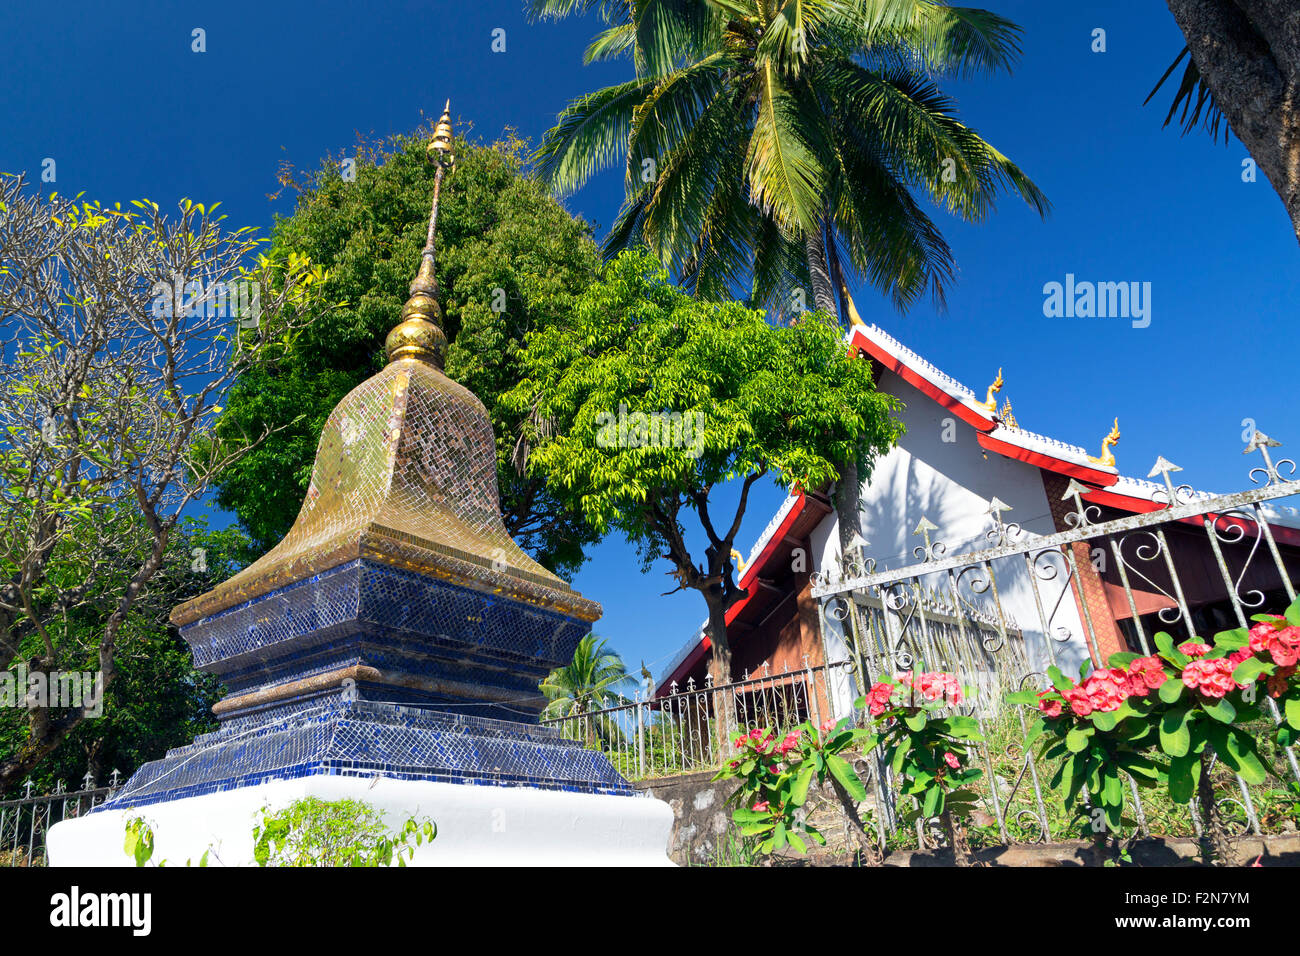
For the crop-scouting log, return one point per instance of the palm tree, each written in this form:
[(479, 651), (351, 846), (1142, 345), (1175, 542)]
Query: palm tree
[(778, 145), (594, 679)]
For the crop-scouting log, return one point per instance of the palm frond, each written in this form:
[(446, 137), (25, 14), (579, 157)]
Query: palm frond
[(786, 178), (589, 135), (672, 32), (1195, 98), (610, 44)]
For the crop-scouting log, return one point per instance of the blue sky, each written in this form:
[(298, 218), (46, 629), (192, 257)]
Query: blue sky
[(115, 96)]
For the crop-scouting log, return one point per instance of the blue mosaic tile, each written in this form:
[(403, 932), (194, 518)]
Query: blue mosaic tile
[(365, 739)]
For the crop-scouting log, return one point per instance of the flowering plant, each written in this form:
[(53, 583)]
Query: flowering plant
[(775, 776), (930, 751), (1099, 729), (1185, 702)]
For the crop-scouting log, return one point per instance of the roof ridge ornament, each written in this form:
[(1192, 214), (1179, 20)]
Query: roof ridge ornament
[(419, 335), (990, 402), (1107, 457)]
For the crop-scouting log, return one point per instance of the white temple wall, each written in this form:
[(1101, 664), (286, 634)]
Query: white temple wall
[(939, 471)]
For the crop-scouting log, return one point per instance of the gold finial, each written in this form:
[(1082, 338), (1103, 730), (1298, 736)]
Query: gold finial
[(1107, 457), (1008, 416), (740, 561), (441, 141), (990, 402), (419, 335)]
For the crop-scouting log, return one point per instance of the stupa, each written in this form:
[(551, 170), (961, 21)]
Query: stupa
[(389, 649)]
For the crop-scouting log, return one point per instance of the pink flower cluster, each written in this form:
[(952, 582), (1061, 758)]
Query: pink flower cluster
[(931, 685), (1213, 678), (1282, 643), (764, 743), (1107, 688)]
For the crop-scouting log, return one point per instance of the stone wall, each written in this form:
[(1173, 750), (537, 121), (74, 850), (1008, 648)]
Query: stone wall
[(701, 821), (703, 834)]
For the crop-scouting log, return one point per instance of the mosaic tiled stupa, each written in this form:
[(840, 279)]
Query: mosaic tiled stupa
[(397, 630)]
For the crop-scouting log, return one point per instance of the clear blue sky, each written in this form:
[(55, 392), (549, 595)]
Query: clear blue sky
[(113, 93)]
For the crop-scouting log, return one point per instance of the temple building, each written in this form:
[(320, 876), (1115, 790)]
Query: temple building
[(963, 470)]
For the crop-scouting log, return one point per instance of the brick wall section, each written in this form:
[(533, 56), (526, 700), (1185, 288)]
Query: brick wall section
[(1088, 585)]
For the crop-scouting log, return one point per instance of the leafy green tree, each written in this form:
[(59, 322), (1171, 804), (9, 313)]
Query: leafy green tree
[(122, 330), (648, 399), (773, 146), (510, 260), (158, 700)]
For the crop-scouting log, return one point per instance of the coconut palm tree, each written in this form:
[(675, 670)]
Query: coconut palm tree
[(779, 144), (596, 678), (772, 146)]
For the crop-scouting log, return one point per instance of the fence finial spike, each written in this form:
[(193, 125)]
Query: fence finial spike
[(1163, 466), (1259, 440)]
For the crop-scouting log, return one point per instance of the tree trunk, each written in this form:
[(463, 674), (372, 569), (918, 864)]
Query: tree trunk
[(822, 290), (1248, 54), (848, 488), (724, 701)]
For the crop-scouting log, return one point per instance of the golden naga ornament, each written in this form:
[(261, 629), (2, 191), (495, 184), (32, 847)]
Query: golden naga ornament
[(990, 399), (1107, 457)]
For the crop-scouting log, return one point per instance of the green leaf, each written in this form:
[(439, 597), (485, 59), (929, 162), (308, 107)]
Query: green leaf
[(1122, 660), (1248, 670), (900, 754), (1171, 690), (933, 802), (1292, 613), (1293, 712), (1221, 710), (1242, 756), (843, 772), (1232, 640), (1174, 737), (915, 722), (1112, 790), (1104, 720), (799, 792), (1183, 774), (1077, 740), (963, 727), (1022, 698), (1059, 680), (1035, 730)]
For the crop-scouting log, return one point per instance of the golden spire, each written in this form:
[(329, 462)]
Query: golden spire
[(419, 335), (1107, 457)]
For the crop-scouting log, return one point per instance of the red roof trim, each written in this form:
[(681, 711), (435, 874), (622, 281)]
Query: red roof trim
[(922, 384), (1047, 462)]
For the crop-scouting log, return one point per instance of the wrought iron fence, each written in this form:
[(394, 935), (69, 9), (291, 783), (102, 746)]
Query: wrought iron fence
[(25, 821), (887, 621), (689, 727)]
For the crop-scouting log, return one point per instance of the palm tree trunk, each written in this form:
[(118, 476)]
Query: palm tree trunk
[(848, 488), (822, 289), (1248, 54)]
